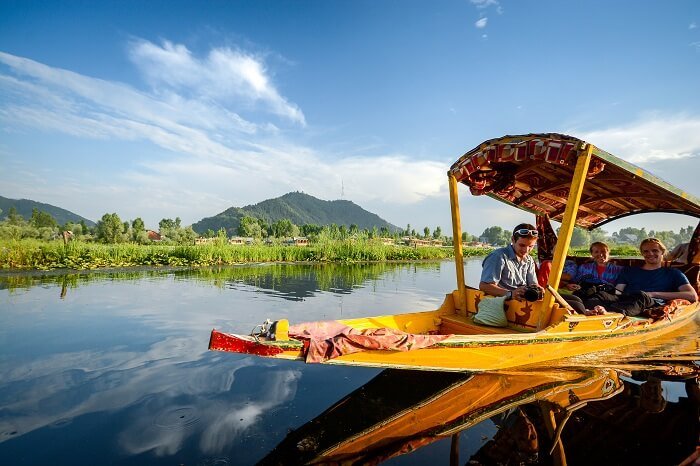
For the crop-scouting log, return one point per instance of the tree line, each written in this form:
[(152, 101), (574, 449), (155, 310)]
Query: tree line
[(583, 238), (112, 229)]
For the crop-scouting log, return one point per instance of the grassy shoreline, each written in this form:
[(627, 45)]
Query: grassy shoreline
[(27, 254), (42, 255)]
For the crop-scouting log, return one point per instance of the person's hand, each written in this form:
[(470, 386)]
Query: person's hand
[(596, 311), (573, 286), (519, 292)]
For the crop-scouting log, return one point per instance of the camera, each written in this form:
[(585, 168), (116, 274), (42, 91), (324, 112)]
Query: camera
[(533, 293)]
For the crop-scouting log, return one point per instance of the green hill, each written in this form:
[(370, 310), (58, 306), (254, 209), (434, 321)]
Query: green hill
[(24, 208), (300, 209)]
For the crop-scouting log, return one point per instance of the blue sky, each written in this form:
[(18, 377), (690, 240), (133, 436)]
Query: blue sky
[(185, 108)]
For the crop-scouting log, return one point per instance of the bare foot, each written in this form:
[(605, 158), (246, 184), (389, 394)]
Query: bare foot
[(596, 311)]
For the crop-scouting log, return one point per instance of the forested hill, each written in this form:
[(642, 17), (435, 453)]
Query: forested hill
[(24, 208), (300, 209)]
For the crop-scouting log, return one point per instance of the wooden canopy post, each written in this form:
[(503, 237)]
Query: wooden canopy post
[(567, 225), (457, 241)]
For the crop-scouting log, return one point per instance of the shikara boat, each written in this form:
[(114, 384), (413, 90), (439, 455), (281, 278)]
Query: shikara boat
[(376, 422), (553, 176)]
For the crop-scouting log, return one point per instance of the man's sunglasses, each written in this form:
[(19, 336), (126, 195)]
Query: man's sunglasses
[(525, 232)]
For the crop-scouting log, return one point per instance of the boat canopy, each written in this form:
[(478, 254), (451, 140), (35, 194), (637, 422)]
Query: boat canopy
[(534, 172)]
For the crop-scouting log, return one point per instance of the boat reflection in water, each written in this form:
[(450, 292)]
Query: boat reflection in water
[(573, 416)]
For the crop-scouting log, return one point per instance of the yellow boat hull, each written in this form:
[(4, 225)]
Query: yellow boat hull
[(478, 348)]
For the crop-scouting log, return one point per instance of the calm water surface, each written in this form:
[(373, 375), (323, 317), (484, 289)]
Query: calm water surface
[(113, 368)]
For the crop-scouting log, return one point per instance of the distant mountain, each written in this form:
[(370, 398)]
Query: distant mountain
[(24, 208), (300, 209)]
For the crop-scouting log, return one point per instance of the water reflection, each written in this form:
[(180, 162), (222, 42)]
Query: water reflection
[(287, 281), (541, 417)]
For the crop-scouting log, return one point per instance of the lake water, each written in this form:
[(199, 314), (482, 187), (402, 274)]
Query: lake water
[(113, 368)]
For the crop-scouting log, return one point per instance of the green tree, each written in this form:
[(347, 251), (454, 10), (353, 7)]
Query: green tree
[(169, 223), (284, 228), (426, 232), (170, 229), (496, 235), (437, 234), (408, 230), (74, 228), (599, 235), (630, 235), (186, 235), (42, 219), (14, 218), (249, 227), (138, 231), (580, 237), (138, 225), (109, 229)]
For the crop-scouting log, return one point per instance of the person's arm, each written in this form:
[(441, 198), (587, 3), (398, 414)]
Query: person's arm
[(531, 276), (492, 289), (495, 290), (569, 275), (684, 292), (491, 270), (622, 280)]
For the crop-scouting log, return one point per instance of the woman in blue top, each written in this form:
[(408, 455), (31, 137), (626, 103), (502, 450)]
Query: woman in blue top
[(596, 272)]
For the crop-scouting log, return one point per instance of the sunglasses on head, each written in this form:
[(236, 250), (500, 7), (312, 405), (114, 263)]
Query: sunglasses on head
[(525, 232)]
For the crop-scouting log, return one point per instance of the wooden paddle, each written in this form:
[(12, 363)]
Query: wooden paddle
[(560, 300)]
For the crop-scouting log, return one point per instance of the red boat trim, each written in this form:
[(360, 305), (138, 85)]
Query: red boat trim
[(232, 343)]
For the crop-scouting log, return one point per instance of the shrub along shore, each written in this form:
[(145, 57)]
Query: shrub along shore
[(30, 254)]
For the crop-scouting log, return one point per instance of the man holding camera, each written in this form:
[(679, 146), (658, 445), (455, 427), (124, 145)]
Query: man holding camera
[(509, 270)]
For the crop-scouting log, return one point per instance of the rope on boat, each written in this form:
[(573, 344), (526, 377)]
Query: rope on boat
[(266, 329)]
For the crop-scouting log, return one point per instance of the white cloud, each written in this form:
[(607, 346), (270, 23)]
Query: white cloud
[(693, 25), (213, 156), (695, 45), (481, 23), (650, 139), (485, 3), (223, 74)]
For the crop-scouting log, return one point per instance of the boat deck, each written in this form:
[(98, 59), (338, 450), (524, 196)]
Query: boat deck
[(464, 325)]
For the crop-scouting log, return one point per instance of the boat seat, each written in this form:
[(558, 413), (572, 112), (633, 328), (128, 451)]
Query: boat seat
[(462, 325)]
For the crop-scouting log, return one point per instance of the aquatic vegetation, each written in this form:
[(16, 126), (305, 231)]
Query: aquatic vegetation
[(79, 255), (46, 255)]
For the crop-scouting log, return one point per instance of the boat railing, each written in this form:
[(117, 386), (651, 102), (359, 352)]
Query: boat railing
[(522, 316)]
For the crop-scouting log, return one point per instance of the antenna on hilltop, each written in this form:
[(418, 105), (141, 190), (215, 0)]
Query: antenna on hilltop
[(342, 189)]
